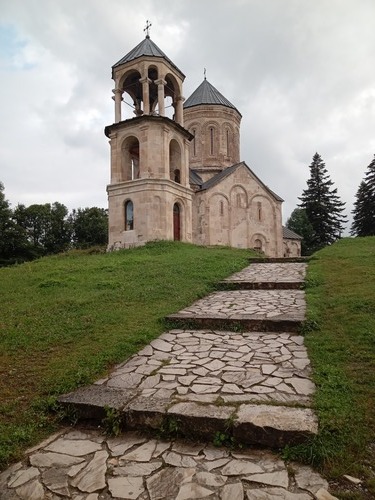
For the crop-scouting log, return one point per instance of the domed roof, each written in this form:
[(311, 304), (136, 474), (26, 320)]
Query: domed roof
[(207, 94), (145, 48)]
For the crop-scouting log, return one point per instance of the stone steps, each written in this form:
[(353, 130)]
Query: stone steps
[(235, 368), (85, 464), (246, 310), (250, 387)]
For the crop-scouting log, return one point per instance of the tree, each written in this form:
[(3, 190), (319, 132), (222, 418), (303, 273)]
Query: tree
[(323, 206), (13, 241), (47, 227), (89, 226), (299, 223), (364, 206)]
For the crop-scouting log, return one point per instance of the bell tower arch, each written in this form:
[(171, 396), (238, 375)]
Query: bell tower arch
[(149, 150)]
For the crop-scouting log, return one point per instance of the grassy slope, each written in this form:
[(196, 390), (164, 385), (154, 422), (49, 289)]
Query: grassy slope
[(341, 344), (66, 319)]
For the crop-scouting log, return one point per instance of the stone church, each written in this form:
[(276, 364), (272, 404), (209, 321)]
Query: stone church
[(175, 165)]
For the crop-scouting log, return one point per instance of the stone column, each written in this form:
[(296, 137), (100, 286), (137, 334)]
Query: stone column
[(180, 110), (117, 98), (146, 94), (160, 83)]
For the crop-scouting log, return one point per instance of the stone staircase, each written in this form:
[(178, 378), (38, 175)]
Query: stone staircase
[(199, 389), (235, 367)]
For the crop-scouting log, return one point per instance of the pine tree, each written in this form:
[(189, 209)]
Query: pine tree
[(322, 205), (364, 206)]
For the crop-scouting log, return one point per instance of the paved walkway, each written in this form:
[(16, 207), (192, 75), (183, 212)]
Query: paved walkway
[(209, 386)]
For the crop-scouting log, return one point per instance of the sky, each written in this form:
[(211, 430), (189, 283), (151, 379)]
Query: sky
[(301, 73)]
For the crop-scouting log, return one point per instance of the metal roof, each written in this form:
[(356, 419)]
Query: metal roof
[(207, 94), (290, 235), (146, 48)]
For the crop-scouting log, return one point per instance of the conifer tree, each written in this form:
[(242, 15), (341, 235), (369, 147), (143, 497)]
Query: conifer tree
[(322, 205), (364, 206)]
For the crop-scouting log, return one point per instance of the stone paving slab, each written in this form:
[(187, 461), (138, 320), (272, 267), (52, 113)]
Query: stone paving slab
[(265, 310), (193, 370), (268, 276), (133, 466)]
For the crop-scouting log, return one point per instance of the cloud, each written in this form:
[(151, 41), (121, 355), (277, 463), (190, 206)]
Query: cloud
[(300, 73)]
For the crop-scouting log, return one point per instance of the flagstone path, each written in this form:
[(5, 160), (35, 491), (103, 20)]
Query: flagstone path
[(209, 386)]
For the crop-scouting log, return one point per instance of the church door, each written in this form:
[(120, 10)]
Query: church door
[(176, 222)]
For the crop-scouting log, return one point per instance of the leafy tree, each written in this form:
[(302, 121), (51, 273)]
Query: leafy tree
[(13, 241), (89, 227), (47, 227), (364, 206), (323, 206), (300, 224)]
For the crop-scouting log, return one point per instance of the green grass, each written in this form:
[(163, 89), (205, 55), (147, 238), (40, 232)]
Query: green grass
[(65, 320), (340, 337)]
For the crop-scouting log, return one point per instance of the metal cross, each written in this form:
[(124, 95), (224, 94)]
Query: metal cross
[(147, 28), (204, 72)]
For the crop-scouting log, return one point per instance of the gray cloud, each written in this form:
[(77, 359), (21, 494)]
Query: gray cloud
[(300, 72)]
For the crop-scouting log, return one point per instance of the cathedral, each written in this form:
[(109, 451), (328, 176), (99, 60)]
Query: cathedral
[(176, 172)]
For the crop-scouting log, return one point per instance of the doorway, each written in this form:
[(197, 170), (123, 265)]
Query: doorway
[(176, 222)]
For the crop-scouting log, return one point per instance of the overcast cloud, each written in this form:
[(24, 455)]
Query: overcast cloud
[(301, 73)]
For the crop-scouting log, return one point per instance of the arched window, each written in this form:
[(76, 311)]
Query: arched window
[(194, 131), (227, 138), (129, 216), (221, 208), (177, 176), (259, 210), (212, 137), (258, 245)]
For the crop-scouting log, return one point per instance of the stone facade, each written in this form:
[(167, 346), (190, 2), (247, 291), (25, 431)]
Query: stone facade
[(180, 177)]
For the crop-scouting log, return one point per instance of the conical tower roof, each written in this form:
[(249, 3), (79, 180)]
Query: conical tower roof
[(207, 94), (145, 48)]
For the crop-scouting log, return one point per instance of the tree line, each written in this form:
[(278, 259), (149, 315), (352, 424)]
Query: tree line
[(27, 233), (319, 217)]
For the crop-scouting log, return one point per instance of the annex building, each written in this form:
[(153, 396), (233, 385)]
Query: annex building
[(179, 175)]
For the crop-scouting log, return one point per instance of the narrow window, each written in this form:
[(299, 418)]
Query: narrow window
[(259, 207), (194, 131), (211, 140), (238, 197), (221, 208), (129, 216), (227, 142)]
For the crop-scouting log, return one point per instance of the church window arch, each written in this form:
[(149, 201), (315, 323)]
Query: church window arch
[(259, 210), (130, 164), (212, 140), (129, 215), (175, 161), (132, 86), (194, 132)]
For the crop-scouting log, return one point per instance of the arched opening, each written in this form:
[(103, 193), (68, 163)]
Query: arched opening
[(129, 215), (175, 161), (176, 222), (132, 86), (258, 245), (130, 159)]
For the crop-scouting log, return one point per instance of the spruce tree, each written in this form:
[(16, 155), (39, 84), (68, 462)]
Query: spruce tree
[(364, 206), (322, 205)]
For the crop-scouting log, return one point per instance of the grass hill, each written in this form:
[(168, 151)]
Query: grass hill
[(340, 337), (65, 320)]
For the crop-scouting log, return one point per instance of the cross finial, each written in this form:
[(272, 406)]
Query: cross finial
[(147, 28), (204, 72)]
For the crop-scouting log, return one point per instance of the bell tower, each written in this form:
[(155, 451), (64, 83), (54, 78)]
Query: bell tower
[(149, 195)]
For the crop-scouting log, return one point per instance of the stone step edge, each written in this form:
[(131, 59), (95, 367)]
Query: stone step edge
[(273, 426), (259, 285), (270, 260), (235, 324)]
